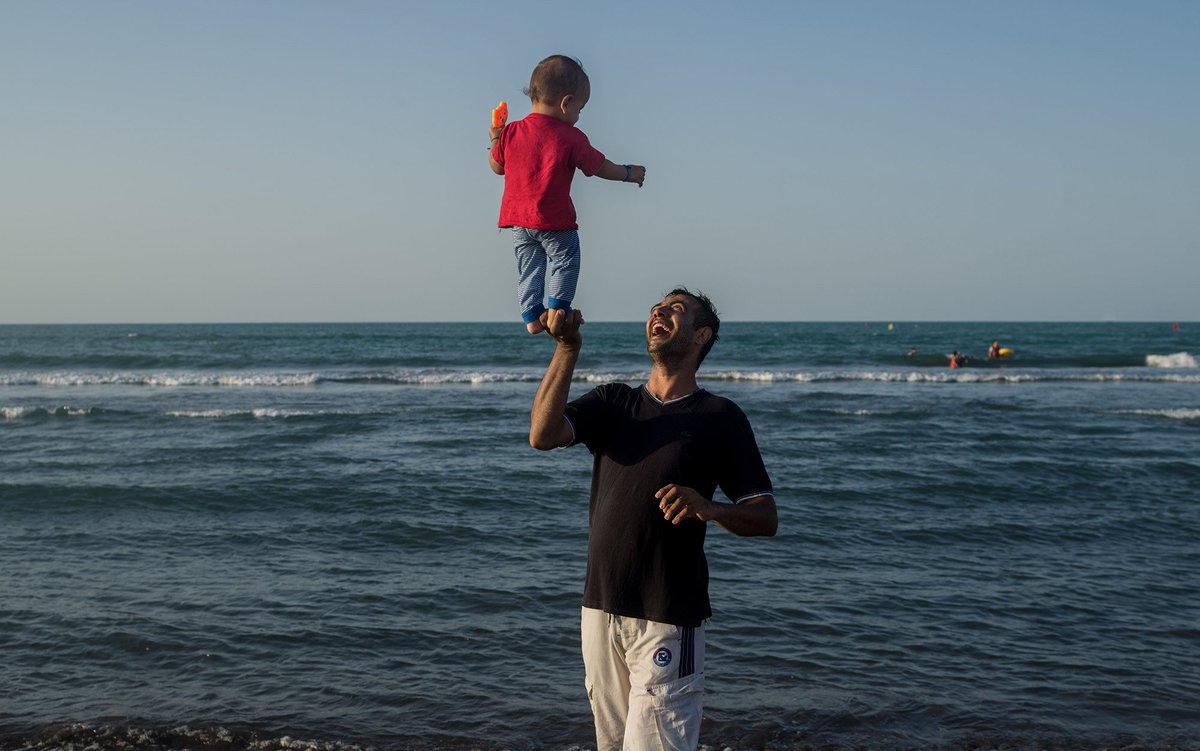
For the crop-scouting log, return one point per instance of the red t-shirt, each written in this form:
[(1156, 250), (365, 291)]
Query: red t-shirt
[(540, 155)]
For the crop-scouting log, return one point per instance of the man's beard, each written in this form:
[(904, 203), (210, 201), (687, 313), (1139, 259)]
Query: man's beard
[(669, 353)]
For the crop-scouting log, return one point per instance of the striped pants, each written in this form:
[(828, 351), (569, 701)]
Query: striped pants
[(547, 266), (645, 681)]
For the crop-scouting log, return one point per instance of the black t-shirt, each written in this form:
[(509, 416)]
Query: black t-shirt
[(640, 565)]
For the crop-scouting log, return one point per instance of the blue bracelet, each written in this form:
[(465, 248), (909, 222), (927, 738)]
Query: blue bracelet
[(628, 174)]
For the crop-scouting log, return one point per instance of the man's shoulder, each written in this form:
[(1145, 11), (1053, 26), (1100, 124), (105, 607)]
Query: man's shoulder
[(610, 392), (617, 391), (716, 403)]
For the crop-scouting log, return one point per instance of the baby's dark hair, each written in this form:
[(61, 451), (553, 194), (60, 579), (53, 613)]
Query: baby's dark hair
[(556, 77)]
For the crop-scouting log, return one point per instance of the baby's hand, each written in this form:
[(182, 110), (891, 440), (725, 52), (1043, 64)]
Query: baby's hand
[(637, 174)]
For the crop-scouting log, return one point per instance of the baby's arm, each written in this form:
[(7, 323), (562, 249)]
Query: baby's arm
[(497, 167), (634, 173)]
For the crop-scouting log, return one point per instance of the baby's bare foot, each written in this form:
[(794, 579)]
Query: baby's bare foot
[(534, 327)]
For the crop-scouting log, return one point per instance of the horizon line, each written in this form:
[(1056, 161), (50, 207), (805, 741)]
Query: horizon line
[(849, 321)]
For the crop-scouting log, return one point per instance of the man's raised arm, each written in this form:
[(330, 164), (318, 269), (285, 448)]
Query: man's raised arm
[(548, 427)]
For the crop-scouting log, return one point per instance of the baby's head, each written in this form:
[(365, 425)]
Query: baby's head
[(557, 77)]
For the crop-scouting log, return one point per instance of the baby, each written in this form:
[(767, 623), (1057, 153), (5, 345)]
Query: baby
[(538, 156)]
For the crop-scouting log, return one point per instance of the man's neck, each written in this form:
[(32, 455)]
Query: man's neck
[(666, 384)]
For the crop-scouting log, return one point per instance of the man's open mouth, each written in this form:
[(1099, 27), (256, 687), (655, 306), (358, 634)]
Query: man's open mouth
[(658, 328)]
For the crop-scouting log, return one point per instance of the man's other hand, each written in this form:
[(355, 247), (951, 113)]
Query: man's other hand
[(679, 502)]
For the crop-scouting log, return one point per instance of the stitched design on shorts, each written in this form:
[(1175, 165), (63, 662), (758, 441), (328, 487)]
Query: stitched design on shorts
[(662, 657)]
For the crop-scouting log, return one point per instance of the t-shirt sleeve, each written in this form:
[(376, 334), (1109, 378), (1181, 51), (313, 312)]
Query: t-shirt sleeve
[(591, 418), (585, 156), (743, 474)]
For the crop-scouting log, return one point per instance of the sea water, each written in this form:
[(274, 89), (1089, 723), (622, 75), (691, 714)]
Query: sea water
[(337, 537)]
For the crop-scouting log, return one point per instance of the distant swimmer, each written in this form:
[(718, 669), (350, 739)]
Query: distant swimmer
[(912, 352), (957, 359), (994, 350)]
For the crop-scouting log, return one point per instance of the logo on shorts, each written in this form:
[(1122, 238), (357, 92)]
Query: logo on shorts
[(662, 657)]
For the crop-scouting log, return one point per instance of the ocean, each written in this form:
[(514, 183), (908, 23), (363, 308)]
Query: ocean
[(336, 537)]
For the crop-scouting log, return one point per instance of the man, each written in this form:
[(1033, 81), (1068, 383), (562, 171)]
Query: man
[(660, 452)]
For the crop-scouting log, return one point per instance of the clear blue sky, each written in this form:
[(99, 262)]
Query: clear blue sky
[(304, 161)]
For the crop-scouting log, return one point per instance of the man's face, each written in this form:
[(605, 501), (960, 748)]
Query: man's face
[(670, 327)]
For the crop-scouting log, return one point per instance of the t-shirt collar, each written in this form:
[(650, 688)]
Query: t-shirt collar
[(676, 400)]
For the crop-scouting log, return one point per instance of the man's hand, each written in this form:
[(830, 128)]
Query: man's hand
[(679, 502), (563, 327)]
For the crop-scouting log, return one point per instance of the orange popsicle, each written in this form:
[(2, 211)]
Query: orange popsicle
[(500, 115)]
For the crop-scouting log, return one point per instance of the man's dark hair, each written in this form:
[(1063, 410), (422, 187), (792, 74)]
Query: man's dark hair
[(556, 77), (705, 316)]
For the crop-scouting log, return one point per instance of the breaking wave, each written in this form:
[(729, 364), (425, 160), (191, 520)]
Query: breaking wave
[(159, 379), (1174, 414), (1177, 360), (451, 377), (945, 376), (259, 413), (17, 413)]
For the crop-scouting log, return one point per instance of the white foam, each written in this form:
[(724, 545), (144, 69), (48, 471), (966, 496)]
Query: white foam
[(16, 413), (295, 744), (260, 413), (449, 378), (166, 380), (208, 413), (1174, 414), (854, 375), (610, 377), (1177, 360), (1173, 363), (945, 376), (237, 380)]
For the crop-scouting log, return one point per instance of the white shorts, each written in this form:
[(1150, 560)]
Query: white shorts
[(645, 681)]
